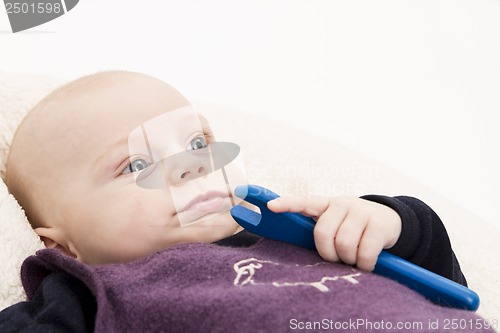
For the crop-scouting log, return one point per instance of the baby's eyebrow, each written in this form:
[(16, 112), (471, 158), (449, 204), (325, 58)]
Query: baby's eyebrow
[(112, 155)]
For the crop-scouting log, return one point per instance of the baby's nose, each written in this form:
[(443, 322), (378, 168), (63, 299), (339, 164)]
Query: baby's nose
[(188, 166)]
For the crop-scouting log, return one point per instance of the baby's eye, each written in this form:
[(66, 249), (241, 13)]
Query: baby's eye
[(197, 143), (136, 165)]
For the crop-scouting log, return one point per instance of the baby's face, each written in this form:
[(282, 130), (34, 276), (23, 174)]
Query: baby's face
[(104, 210)]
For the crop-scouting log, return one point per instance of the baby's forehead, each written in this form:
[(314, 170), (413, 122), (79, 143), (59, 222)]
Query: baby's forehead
[(119, 107), (185, 116), (173, 126)]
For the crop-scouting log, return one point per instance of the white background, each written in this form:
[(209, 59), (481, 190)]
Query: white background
[(414, 84)]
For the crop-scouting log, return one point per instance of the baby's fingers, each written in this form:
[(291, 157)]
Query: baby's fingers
[(325, 230), (370, 246), (310, 206)]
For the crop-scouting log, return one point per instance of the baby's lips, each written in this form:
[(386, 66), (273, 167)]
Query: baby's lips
[(204, 206), (205, 201)]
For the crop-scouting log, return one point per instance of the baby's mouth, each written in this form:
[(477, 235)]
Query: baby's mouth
[(203, 205), (205, 202)]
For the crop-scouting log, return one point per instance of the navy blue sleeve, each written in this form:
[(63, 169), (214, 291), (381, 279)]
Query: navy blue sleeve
[(61, 304), (423, 240)]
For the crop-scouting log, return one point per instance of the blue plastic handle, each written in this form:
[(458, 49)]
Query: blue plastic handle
[(298, 229)]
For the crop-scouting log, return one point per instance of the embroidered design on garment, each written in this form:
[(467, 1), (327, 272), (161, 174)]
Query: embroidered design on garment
[(247, 274)]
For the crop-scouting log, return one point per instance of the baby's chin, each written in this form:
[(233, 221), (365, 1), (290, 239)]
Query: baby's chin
[(210, 229), (220, 220), (213, 227)]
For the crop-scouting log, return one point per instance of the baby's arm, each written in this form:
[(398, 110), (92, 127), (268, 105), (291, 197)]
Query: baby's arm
[(355, 230), (62, 303), (423, 240)]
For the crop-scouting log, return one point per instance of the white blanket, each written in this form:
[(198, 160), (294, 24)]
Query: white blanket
[(277, 156)]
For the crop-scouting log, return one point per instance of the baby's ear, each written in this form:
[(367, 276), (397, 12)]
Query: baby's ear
[(49, 243), (52, 240)]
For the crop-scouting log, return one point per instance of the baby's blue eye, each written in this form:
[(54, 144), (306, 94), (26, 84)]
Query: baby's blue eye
[(136, 165), (197, 143)]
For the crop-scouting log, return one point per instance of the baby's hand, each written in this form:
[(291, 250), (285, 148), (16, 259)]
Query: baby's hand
[(348, 229)]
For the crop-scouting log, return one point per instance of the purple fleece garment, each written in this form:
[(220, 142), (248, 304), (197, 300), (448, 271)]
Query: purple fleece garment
[(269, 286)]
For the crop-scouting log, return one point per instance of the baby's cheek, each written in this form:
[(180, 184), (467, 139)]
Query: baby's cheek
[(152, 206)]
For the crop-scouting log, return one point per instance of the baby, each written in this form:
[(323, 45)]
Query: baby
[(70, 169), (138, 255)]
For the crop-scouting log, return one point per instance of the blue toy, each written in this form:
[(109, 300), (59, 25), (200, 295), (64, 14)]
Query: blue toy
[(297, 229)]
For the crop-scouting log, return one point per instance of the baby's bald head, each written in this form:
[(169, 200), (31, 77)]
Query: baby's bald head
[(62, 130), (70, 167)]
